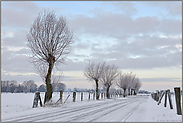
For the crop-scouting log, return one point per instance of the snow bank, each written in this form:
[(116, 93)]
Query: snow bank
[(151, 112)]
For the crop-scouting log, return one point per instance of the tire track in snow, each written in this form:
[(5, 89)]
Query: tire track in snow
[(82, 117), (34, 117), (71, 114), (103, 112), (66, 117), (114, 115), (124, 120)]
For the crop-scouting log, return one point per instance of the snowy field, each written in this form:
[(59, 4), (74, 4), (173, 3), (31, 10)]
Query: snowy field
[(17, 107)]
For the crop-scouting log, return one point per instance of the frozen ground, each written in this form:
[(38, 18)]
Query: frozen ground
[(140, 108)]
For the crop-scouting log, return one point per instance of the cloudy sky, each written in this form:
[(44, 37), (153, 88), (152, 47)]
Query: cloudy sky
[(140, 37)]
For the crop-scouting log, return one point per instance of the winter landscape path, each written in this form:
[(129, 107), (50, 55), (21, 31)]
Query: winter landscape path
[(132, 108)]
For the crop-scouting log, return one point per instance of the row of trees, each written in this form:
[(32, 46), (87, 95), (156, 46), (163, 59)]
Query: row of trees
[(108, 75), (27, 86)]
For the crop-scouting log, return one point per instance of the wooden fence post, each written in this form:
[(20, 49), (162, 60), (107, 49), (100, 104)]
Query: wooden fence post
[(61, 93), (170, 101), (40, 100), (66, 98), (165, 98), (178, 99), (36, 98), (155, 96), (93, 96), (81, 96), (161, 98), (152, 95), (158, 96), (74, 96), (89, 96)]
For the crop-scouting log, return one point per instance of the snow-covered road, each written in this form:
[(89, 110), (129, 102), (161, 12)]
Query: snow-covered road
[(112, 110), (139, 108)]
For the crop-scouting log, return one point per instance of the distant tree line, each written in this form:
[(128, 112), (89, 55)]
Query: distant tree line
[(28, 86), (103, 90)]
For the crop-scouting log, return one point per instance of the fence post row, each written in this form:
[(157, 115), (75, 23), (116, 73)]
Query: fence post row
[(178, 99)]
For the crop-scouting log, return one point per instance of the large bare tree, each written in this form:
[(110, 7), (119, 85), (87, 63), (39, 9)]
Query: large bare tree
[(94, 72), (50, 40), (109, 74)]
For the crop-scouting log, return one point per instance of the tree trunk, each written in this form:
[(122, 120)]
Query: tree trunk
[(108, 96), (97, 94), (124, 93), (49, 91), (128, 91), (131, 91), (135, 93)]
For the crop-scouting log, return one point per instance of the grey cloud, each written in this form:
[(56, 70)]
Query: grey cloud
[(17, 40), (20, 78), (70, 79), (14, 18), (16, 61), (115, 25), (151, 62), (71, 65), (176, 9), (170, 26), (144, 62), (146, 45), (25, 6), (23, 51), (153, 41), (127, 8), (160, 79), (173, 7), (81, 46)]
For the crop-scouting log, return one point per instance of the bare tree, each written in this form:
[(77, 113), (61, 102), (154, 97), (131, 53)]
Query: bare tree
[(109, 74), (137, 85), (50, 40), (131, 82), (123, 82), (128, 81), (94, 72)]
